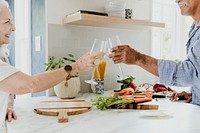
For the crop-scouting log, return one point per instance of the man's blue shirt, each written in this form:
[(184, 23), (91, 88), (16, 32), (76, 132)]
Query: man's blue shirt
[(184, 73)]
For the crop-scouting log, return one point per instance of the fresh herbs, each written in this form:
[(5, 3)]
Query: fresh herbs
[(69, 58), (53, 63), (104, 103), (126, 82)]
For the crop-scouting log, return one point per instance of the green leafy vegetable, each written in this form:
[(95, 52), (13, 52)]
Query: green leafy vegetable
[(104, 103), (126, 82), (138, 91)]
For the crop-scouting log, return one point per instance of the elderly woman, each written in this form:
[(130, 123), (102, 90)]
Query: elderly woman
[(4, 52), (13, 81)]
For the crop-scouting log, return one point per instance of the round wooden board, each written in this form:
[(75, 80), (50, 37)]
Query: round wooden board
[(62, 108)]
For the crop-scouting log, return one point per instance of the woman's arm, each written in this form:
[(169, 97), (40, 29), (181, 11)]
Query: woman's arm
[(21, 83)]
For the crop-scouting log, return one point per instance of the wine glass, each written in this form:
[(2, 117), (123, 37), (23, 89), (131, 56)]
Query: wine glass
[(96, 47), (112, 42)]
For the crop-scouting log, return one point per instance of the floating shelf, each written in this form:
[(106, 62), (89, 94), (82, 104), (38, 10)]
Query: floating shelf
[(109, 22)]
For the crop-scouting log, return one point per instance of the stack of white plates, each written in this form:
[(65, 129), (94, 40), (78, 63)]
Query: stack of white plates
[(115, 8)]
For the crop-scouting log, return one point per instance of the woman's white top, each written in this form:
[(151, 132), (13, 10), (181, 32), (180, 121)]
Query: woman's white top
[(5, 71)]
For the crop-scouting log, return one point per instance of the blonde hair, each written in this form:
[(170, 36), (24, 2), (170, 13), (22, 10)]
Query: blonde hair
[(3, 3)]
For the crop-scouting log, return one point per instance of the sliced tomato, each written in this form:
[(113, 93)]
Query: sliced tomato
[(129, 86), (133, 85)]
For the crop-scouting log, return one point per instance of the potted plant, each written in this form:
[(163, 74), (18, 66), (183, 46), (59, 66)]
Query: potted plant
[(65, 89)]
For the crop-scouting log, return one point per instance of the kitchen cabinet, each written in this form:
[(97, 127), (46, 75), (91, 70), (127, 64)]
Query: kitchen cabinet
[(108, 22)]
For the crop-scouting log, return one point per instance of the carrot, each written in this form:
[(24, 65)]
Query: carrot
[(141, 100)]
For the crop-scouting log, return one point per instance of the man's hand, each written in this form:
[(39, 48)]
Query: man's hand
[(187, 96), (127, 55), (124, 54), (11, 115)]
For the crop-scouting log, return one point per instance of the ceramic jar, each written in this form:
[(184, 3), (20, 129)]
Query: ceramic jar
[(68, 89)]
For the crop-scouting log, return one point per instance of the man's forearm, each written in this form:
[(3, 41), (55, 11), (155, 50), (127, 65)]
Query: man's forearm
[(148, 63)]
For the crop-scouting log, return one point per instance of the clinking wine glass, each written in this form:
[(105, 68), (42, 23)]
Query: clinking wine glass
[(98, 46), (112, 42), (100, 72)]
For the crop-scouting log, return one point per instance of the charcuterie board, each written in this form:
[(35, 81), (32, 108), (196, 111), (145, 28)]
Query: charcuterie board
[(140, 103), (137, 106), (135, 101), (62, 108)]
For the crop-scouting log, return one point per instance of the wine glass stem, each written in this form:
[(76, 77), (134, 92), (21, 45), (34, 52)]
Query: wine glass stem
[(121, 72), (92, 77), (166, 96)]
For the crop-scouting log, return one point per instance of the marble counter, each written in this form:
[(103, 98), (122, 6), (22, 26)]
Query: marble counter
[(183, 118)]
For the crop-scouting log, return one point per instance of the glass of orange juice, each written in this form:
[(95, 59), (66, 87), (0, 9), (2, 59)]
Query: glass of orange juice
[(98, 74)]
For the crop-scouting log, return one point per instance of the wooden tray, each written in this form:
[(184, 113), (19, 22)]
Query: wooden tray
[(62, 108), (141, 102), (137, 106)]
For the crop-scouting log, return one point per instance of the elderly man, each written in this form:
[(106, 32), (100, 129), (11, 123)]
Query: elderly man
[(183, 73)]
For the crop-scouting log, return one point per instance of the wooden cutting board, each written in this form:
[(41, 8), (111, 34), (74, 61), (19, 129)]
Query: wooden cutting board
[(62, 108), (141, 102), (137, 106)]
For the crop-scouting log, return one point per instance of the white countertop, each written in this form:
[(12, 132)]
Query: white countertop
[(184, 118)]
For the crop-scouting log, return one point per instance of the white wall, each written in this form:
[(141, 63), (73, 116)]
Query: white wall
[(78, 40), (22, 38), (56, 10)]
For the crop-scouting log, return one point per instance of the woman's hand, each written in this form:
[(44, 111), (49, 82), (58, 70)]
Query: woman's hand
[(89, 61), (187, 96), (10, 112), (11, 115)]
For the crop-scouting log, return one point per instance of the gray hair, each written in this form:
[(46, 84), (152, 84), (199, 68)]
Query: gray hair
[(3, 3)]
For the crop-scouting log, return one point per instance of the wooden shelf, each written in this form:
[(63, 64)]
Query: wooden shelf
[(109, 22)]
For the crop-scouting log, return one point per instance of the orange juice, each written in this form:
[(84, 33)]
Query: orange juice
[(100, 71), (96, 73)]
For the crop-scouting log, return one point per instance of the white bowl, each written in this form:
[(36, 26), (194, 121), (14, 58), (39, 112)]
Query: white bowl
[(112, 9), (116, 2), (116, 14)]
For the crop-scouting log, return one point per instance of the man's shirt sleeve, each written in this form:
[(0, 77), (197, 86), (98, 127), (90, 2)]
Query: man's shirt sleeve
[(184, 73)]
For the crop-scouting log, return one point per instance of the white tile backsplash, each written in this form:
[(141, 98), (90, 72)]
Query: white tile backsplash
[(78, 40)]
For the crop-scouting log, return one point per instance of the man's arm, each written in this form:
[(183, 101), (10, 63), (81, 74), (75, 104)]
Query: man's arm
[(125, 54), (148, 63), (182, 73)]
